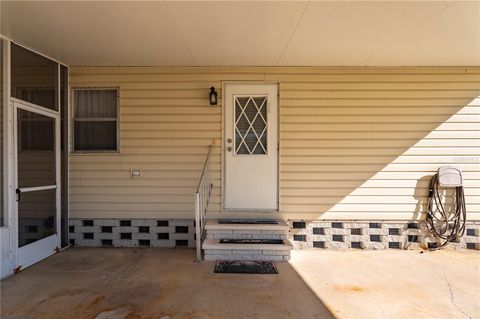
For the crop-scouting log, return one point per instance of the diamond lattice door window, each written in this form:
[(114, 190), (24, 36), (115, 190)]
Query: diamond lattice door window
[(251, 125)]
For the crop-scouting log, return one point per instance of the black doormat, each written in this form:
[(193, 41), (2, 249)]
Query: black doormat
[(251, 241), (248, 222), (245, 267)]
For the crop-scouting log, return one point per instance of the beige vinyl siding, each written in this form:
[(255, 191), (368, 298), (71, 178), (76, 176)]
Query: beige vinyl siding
[(354, 142), (2, 49), (1, 148)]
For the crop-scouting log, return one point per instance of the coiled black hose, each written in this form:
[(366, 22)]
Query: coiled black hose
[(448, 226)]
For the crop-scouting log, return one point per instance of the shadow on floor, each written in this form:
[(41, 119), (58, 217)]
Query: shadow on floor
[(152, 283)]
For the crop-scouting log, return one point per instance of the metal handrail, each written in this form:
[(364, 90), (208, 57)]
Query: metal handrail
[(202, 198)]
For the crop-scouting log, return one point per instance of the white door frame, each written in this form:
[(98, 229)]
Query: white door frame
[(223, 149), (32, 253), (6, 233)]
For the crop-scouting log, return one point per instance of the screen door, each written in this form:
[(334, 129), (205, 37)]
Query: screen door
[(36, 134)]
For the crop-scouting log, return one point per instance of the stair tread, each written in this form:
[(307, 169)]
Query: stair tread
[(215, 244), (215, 225)]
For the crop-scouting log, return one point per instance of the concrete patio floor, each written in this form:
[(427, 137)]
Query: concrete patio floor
[(105, 283), (394, 283)]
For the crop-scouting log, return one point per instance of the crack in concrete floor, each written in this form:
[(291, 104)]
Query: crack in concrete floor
[(452, 297)]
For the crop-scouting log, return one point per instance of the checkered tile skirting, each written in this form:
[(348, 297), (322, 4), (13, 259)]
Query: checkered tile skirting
[(132, 232), (303, 234), (373, 235)]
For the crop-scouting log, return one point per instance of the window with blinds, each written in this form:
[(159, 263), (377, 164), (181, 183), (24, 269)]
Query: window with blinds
[(95, 120)]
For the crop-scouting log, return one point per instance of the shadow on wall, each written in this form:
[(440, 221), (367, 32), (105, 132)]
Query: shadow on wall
[(421, 196), (382, 170)]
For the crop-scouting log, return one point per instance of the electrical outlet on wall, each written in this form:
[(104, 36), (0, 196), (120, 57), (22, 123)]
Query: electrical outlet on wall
[(135, 173)]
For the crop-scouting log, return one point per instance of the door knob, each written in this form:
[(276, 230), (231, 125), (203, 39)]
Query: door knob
[(229, 140), (229, 149)]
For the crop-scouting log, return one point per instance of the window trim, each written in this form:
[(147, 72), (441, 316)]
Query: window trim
[(98, 119)]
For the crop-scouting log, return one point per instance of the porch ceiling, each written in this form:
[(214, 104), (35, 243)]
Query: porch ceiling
[(296, 33)]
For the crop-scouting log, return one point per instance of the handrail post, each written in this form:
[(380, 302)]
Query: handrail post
[(202, 197), (197, 228)]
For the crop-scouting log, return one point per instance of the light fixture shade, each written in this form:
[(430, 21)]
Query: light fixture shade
[(213, 96)]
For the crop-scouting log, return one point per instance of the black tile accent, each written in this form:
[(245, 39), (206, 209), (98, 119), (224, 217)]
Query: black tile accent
[(471, 246), (337, 238), (455, 240), (394, 245), (412, 238), (471, 232), (300, 237), (71, 242), (181, 229), (107, 242), (181, 243), (299, 225), (125, 235), (374, 225), (71, 229), (87, 235), (143, 229), (125, 223), (162, 236), (144, 242), (162, 223), (355, 231), (87, 222), (356, 245), (337, 225), (318, 231), (107, 229), (394, 231), (412, 226), (32, 229), (375, 238), (318, 244)]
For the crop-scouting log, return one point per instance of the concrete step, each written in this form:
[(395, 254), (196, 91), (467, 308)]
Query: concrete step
[(215, 225), (215, 230), (214, 250)]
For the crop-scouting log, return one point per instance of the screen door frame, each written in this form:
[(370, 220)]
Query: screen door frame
[(32, 253)]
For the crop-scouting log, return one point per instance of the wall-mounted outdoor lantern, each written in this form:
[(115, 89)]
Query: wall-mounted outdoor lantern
[(213, 96)]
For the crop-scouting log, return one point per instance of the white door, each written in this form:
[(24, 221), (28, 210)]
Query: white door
[(251, 147), (37, 183)]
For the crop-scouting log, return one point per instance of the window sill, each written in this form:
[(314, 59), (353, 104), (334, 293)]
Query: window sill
[(82, 153)]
